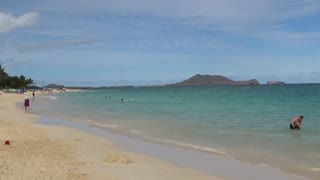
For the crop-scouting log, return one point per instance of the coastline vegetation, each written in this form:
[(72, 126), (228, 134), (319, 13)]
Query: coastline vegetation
[(17, 82)]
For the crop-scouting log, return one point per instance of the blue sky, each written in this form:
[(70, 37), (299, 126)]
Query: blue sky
[(122, 42)]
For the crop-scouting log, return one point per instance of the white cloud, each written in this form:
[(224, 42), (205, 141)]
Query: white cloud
[(300, 8), (228, 14), (295, 37), (253, 18), (9, 22), (35, 46), (267, 19)]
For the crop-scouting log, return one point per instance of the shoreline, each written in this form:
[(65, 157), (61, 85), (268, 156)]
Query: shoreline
[(208, 163), (55, 152), (190, 163), (256, 157)]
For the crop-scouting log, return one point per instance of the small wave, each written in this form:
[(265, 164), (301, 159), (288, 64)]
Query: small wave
[(181, 144), (136, 131), (196, 147), (315, 169), (51, 97), (83, 120), (106, 125), (264, 165)]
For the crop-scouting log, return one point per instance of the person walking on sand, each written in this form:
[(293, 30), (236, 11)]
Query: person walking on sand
[(26, 105), (33, 94), (296, 122)]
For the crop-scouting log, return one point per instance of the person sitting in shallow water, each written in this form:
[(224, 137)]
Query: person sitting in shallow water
[(296, 122)]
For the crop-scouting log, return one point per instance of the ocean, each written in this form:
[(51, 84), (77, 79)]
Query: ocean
[(247, 123)]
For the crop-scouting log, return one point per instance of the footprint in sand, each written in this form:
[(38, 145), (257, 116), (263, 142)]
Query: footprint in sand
[(117, 158), (77, 140)]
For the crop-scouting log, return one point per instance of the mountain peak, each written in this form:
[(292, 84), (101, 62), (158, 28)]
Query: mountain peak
[(210, 80)]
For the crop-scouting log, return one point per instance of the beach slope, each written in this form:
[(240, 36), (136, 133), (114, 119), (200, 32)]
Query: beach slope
[(36, 151)]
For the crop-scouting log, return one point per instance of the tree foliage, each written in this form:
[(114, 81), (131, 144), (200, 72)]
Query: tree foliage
[(7, 81)]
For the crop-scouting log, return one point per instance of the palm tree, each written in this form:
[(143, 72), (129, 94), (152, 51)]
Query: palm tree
[(2, 72), (15, 82), (3, 77), (29, 81)]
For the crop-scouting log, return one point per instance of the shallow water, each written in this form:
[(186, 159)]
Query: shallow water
[(211, 164), (250, 123)]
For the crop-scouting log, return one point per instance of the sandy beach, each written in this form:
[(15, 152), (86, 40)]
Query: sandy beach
[(53, 152)]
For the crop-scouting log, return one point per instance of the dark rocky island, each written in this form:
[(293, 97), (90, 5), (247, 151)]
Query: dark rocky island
[(212, 80)]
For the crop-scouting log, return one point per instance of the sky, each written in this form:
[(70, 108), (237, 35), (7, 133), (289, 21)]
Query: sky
[(148, 42)]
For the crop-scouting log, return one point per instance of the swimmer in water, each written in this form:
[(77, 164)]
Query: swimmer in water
[(296, 122)]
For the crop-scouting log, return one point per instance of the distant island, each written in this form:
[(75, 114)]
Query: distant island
[(212, 80), (54, 86), (275, 83), (196, 80)]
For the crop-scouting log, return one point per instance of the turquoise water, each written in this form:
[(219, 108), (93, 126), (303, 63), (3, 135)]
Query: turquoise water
[(249, 123)]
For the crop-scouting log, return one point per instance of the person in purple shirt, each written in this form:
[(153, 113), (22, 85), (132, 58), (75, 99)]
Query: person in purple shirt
[(26, 105)]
